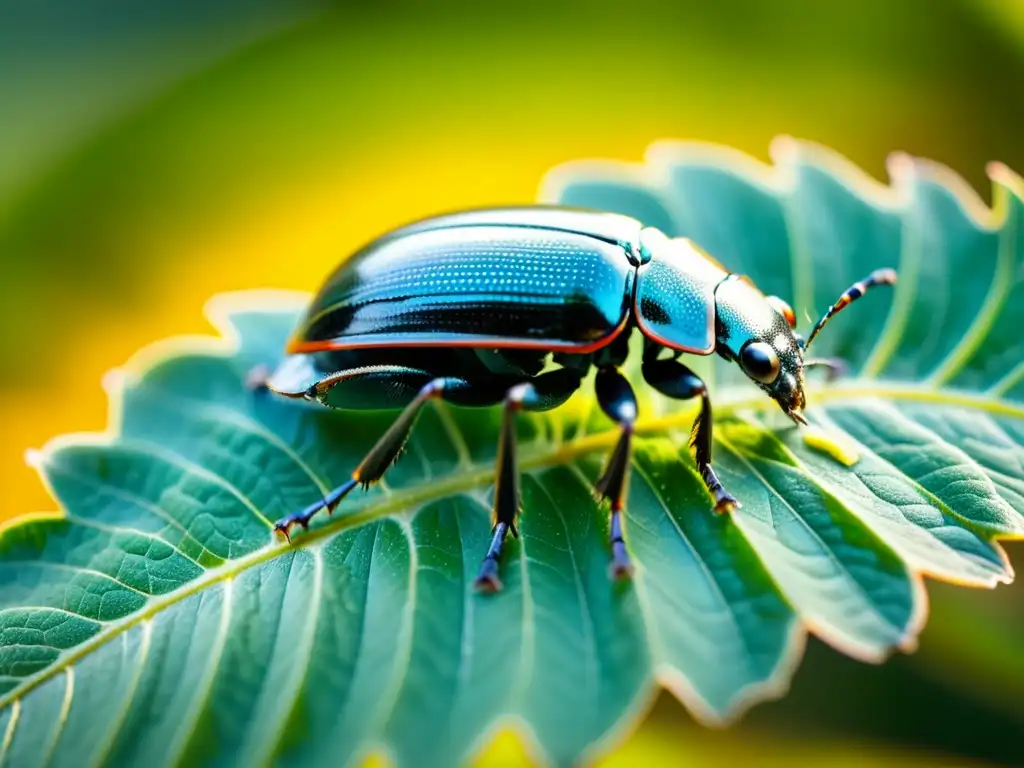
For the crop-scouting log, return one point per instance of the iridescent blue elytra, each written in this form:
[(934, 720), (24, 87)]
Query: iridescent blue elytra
[(474, 284), (515, 306)]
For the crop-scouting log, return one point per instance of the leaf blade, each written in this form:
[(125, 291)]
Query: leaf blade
[(366, 633)]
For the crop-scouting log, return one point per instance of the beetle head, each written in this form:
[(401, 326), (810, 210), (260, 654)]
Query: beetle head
[(757, 333)]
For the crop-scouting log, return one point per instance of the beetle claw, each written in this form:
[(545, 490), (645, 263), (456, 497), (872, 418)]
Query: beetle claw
[(487, 581), (284, 530), (726, 503), (621, 567), (620, 570)]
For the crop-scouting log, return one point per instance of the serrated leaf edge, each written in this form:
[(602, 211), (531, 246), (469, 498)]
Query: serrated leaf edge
[(784, 150)]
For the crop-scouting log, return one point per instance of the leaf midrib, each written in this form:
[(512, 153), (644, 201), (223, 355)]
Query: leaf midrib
[(417, 497)]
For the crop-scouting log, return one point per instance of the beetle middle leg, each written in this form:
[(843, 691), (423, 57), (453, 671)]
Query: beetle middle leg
[(617, 400), (673, 379), (543, 392)]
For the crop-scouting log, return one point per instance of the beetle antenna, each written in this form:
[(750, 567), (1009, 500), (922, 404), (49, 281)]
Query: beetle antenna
[(851, 294)]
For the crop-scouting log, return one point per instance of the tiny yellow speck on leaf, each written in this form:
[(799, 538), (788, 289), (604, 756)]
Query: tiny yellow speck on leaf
[(823, 442)]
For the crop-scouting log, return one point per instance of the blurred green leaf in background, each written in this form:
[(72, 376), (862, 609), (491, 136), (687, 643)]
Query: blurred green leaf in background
[(154, 154)]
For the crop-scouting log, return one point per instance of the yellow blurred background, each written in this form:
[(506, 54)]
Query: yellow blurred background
[(153, 154)]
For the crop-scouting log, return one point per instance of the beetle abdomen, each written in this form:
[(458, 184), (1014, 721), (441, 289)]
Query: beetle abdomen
[(500, 286)]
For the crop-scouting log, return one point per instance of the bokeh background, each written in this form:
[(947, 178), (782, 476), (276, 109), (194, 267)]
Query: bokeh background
[(152, 154)]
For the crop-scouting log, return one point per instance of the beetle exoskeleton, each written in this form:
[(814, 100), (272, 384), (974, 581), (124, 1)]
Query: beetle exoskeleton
[(514, 306)]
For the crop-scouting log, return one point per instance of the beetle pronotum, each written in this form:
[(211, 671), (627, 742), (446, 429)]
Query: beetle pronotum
[(515, 306)]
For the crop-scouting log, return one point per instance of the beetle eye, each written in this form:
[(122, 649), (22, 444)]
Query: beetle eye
[(760, 362), (783, 309)]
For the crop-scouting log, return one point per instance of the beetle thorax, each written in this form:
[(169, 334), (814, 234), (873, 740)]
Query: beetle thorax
[(759, 339)]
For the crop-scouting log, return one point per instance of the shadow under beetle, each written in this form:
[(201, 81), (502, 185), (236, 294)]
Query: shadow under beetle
[(514, 306)]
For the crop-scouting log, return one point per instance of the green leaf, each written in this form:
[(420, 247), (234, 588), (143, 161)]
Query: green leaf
[(157, 617)]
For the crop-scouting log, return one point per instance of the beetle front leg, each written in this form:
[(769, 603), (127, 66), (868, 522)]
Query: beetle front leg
[(673, 379), (835, 367)]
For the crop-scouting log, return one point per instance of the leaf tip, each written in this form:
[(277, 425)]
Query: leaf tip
[(908, 644), (1005, 176), (900, 166), (113, 381), (783, 149), (35, 458)]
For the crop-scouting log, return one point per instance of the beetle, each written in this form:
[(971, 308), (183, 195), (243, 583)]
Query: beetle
[(514, 306)]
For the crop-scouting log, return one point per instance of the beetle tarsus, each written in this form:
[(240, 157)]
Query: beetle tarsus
[(725, 503), (328, 502), (621, 567), (284, 528), (487, 580)]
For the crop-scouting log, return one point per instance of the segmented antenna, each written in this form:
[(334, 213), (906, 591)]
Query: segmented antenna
[(878, 277)]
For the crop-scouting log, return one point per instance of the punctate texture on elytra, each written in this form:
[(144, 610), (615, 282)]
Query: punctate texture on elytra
[(157, 620)]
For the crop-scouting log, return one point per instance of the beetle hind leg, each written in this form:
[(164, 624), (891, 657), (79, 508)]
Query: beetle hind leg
[(673, 379), (329, 502), (383, 454)]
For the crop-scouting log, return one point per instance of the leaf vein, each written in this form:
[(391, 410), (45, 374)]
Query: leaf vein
[(9, 731), (44, 564), (843, 572), (400, 503), (305, 652), (202, 694), (590, 642), (62, 719), (191, 469), (118, 721)]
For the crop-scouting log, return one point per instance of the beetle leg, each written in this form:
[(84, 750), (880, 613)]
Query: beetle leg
[(617, 400), (541, 393), (835, 367), (256, 378), (506, 489), (673, 379), (329, 502), (377, 461)]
